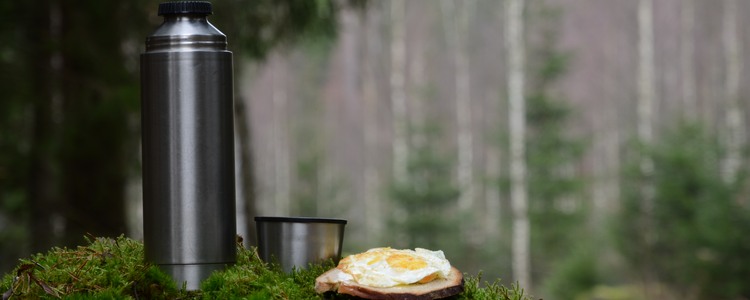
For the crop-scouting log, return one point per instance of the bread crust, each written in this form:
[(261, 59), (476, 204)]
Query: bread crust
[(436, 289)]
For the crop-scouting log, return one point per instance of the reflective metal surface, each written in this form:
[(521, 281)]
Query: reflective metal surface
[(188, 149), (297, 242)]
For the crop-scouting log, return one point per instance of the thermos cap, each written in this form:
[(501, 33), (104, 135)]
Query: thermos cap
[(185, 7)]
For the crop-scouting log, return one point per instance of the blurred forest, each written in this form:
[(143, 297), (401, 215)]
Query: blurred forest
[(589, 149)]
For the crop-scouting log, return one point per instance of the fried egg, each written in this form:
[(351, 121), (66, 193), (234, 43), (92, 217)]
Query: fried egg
[(386, 267)]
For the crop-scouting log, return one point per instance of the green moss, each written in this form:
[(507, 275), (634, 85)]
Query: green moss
[(475, 288), (106, 267), (115, 269), (253, 278)]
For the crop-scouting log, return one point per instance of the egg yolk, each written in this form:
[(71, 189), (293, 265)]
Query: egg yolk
[(408, 262), (429, 278)]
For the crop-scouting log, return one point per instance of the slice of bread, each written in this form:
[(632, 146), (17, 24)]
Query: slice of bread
[(436, 289)]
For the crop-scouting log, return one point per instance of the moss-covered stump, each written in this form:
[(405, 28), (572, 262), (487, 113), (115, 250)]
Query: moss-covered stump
[(115, 269)]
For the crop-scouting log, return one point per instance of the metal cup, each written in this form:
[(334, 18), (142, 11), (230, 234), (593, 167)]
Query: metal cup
[(295, 242)]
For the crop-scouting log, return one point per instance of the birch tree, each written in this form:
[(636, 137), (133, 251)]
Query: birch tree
[(646, 92), (492, 167), (397, 89), (371, 49), (519, 200), (465, 139), (690, 106), (735, 133), (492, 153), (646, 95), (456, 15), (282, 168)]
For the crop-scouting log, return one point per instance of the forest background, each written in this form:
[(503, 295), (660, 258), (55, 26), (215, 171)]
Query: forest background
[(585, 148)]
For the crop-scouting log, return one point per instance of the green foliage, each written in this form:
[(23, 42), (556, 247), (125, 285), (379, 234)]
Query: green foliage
[(557, 211), (309, 191), (255, 27), (427, 196), (574, 274), (692, 235), (115, 269), (602, 292)]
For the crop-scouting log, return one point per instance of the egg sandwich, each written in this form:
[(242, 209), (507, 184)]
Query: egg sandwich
[(385, 273)]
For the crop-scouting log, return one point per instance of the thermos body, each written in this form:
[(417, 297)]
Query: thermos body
[(188, 147)]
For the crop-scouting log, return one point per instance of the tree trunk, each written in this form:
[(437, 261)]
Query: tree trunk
[(373, 203), (516, 102), (606, 158), (458, 28), (40, 188), (735, 134), (645, 108), (646, 91), (418, 114), (463, 109), (492, 206), (351, 130), (397, 89), (690, 105), (246, 174), (281, 139)]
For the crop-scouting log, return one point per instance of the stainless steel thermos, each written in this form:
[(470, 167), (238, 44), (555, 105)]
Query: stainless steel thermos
[(188, 145)]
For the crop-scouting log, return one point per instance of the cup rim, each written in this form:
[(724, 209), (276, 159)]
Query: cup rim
[(299, 220)]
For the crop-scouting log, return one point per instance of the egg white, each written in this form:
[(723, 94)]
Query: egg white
[(386, 267)]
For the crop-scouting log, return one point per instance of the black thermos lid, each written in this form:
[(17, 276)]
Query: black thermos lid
[(185, 7)]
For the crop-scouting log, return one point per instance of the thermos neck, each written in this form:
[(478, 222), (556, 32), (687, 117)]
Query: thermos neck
[(186, 18), (186, 32)]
